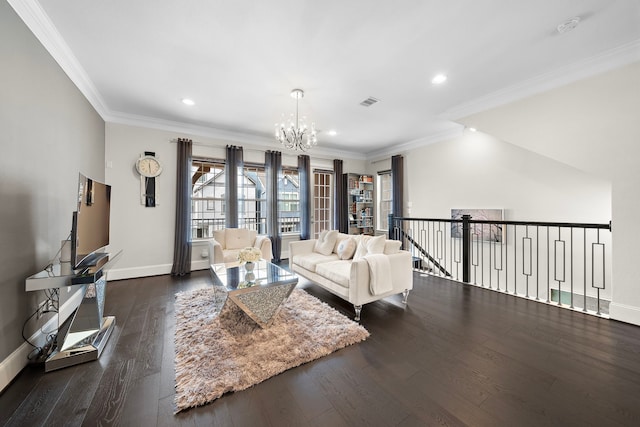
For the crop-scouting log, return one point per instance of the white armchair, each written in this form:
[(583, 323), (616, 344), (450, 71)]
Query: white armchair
[(226, 244)]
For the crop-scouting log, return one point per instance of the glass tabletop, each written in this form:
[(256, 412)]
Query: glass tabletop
[(263, 274), (259, 289)]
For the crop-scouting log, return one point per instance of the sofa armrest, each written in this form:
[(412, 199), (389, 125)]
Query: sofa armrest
[(215, 252), (401, 271), (300, 247), (263, 242), (359, 281), (359, 277)]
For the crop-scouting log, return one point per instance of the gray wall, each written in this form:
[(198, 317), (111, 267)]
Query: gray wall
[(48, 133)]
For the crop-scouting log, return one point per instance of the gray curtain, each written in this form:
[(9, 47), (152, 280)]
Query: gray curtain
[(233, 168), (182, 242), (397, 185), (340, 198), (273, 169), (304, 174)]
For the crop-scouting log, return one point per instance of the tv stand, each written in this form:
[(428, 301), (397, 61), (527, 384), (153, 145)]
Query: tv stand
[(83, 336)]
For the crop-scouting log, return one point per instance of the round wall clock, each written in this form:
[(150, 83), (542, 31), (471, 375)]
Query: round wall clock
[(148, 166)]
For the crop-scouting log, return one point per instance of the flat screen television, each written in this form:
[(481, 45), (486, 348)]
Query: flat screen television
[(90, 224)]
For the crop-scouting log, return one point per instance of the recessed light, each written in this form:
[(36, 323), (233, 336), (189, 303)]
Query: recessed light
[(439, 79), (332, 133), (472, 129), (187, 101)]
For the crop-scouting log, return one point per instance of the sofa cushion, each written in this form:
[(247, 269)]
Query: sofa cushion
[(326, 241), (392, 247), (237, 238), (336, 271), (347, 248), (311, 260), (369, 246)]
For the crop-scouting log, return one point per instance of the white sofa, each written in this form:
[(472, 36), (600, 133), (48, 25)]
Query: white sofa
[(226, 244), (351, 278)]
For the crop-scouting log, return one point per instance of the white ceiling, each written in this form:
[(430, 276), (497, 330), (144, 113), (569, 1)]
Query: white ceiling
[(239, 59)]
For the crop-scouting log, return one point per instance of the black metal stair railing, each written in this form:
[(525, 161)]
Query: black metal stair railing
[(565, 264), (424, 253)]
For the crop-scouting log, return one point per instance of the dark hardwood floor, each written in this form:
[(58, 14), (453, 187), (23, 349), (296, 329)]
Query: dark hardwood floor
[(457, 355)]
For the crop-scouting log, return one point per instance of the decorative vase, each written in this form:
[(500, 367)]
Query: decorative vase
[(248, 266), (249, 277)]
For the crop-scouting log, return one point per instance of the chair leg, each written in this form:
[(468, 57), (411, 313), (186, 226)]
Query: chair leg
[(405, 295), (358, 309)]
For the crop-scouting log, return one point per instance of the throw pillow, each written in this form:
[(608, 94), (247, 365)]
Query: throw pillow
[(370, 245), (346, 248), (326, 241), (392, 247), (339, 240), (237, 238)]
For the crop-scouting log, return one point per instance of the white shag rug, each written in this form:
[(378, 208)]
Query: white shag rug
[(219, 352)]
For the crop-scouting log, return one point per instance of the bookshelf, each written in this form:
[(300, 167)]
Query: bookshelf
[(360, 203)]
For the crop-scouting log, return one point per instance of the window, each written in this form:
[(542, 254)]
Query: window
[(252, 199), (207, 197), (322, 201), (385, 199), (289, 201)]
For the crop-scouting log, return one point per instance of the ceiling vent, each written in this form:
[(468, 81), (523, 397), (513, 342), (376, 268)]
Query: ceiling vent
[(369, 101), (568, 25)]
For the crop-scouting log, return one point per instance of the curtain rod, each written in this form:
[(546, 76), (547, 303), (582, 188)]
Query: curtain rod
[(204, 144), (259, 150)]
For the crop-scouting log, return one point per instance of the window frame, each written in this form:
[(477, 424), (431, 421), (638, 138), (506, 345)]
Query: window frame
[(201, 214), (384, 197), (290, 174), (259, 203)]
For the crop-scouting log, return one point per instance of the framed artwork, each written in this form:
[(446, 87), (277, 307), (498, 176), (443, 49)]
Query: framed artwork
[(485, 232)]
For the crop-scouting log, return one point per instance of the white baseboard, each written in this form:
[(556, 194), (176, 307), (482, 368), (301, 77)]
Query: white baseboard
[(133, 272), (624, 313), (16, 361), (151, 270)]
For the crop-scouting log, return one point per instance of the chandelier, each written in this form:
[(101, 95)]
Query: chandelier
[(295, 135)]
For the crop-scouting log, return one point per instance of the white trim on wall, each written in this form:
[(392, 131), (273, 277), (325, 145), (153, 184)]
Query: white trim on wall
[(605, 61), (624, 313), (34, 16), (39, 23)]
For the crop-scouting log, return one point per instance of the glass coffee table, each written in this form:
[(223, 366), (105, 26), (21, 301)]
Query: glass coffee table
[(259, 292)]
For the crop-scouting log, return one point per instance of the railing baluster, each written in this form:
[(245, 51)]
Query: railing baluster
[(515, 260), (571, 252), (584, 290), (427, 239), (537, 262)]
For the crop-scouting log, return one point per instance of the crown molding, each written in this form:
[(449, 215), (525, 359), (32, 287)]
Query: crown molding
[(36, 19), (246, 139), (605, 61), (34, 16), (433, 138)]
